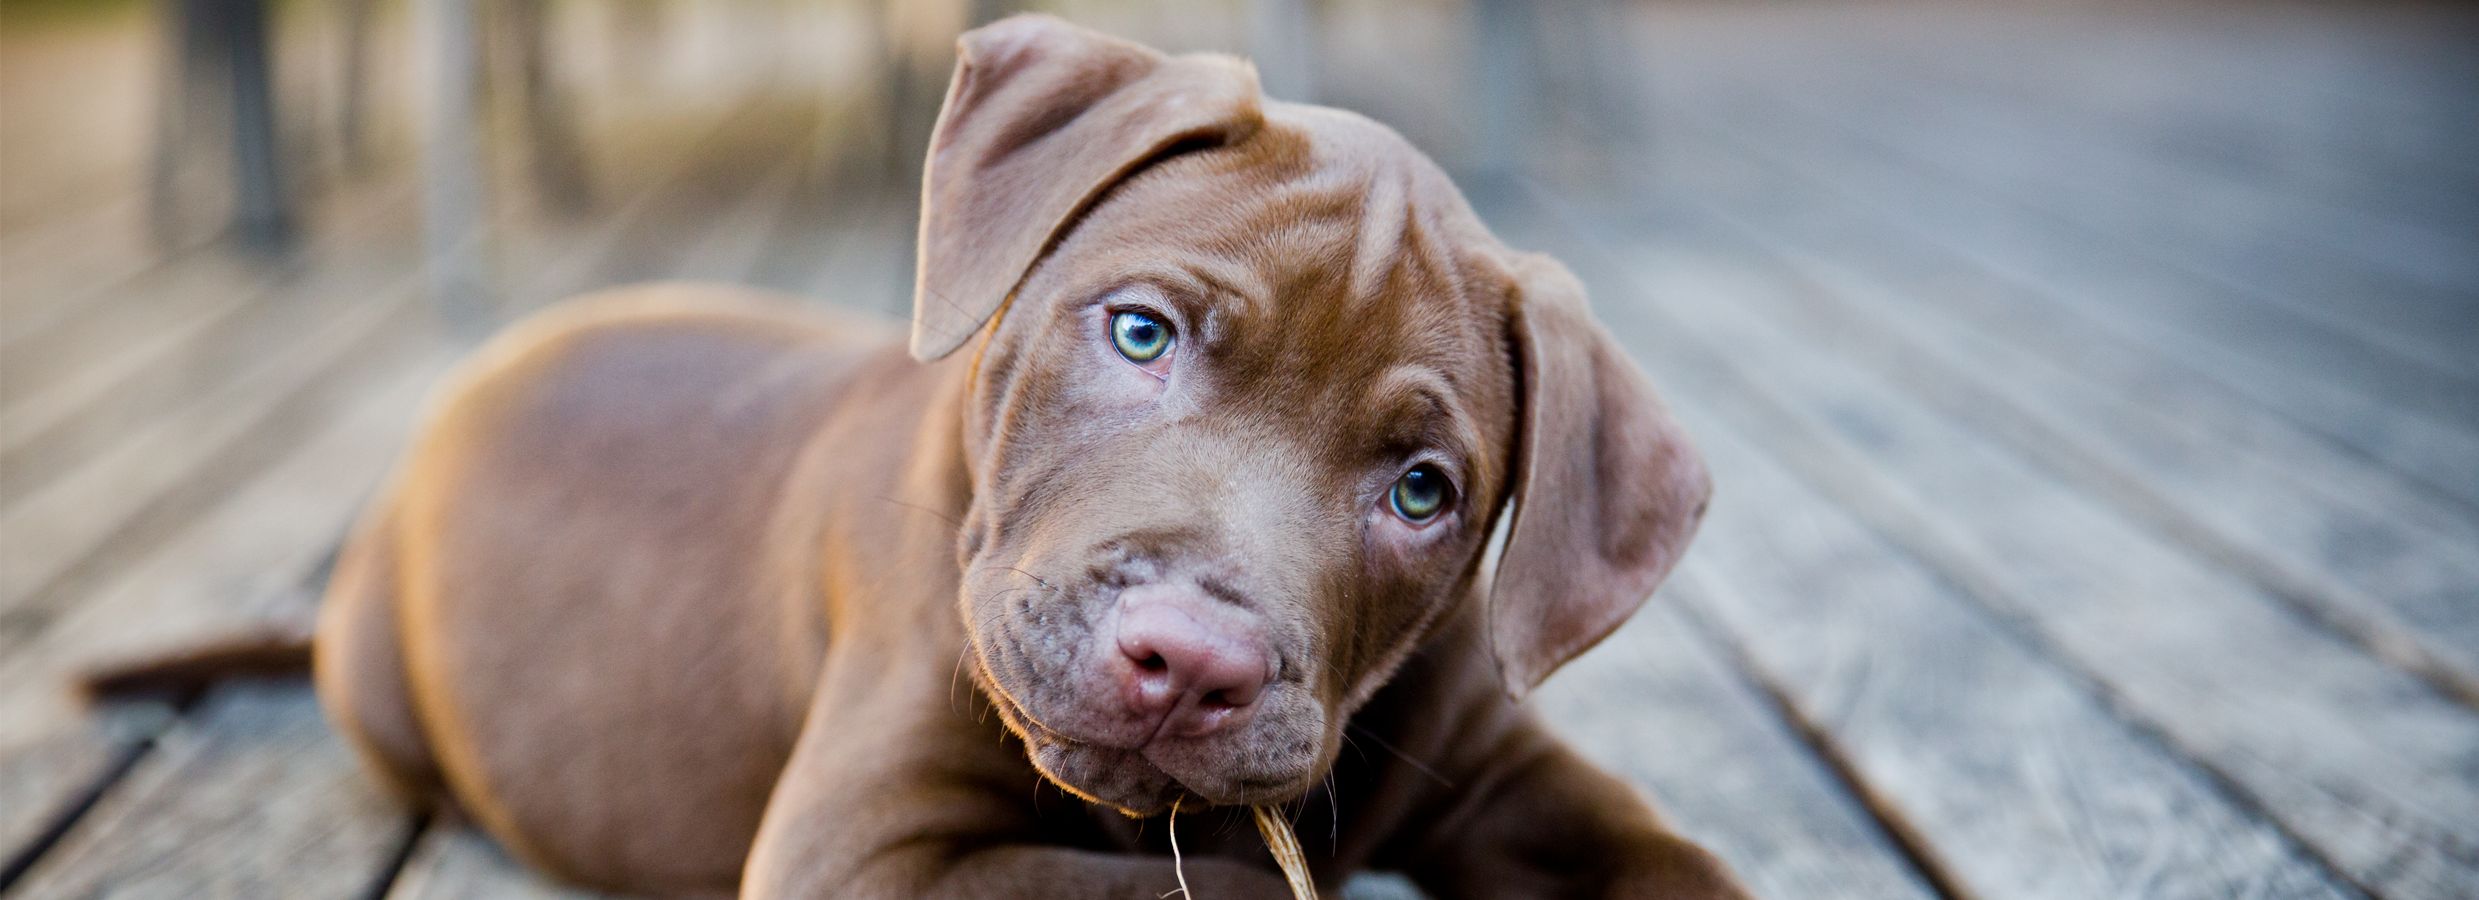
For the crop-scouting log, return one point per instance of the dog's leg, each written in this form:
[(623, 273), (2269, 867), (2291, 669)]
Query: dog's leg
[(895, 791), (1540, 821), (360, 666)]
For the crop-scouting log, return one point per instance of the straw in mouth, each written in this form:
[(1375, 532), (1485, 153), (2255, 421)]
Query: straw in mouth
[(1278, 838), (1286, 848)]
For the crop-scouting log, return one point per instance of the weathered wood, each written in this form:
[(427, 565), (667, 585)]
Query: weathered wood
[(453, 861), (121, 381), (2418, 425), (2398, 227), (253, 549), (729, 246), (457, 232), (1661, 707), (868, 263), (1909, 685), (2093, 290), (49, 270), (635, 239), (2367, 766), (2255, 222), (71, 530), (250, 797), (241, 563), (1940, 711), (48, 778), (2134, 279), (2385, 565)]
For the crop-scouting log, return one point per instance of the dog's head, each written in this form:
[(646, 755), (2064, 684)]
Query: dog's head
[(1258, 388)]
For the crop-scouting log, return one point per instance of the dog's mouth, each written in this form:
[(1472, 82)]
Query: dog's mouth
[(1145, 780)]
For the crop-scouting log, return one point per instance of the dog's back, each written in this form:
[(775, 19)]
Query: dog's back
[(597, 462)]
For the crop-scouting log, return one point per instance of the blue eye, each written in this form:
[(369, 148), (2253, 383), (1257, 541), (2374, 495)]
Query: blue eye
[(1420, 494), (1140, 337)]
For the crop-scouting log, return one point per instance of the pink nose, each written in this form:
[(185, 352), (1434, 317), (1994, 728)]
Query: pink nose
[(1194, 659)]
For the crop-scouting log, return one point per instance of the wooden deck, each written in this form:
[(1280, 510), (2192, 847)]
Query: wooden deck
[(2093, 395)]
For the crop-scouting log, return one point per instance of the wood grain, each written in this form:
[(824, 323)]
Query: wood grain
[(2420, 426), (2374, 558), (251, 797), (1659, 705), (453, 861), (2368, 766)]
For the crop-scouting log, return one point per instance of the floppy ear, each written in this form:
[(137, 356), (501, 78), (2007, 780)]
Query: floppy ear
[(1040, 119), (1607, 488)]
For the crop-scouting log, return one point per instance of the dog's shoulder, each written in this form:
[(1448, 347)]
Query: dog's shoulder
[(667, 369)]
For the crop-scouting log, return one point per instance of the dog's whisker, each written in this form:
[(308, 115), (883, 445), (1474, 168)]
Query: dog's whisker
[(1036, 578), (957, 524), (954, 701), (1334, 816), (1417, 765)]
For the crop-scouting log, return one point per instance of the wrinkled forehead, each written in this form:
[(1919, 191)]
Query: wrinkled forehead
[(1329, 273), (1332, 252), (1319, 202)]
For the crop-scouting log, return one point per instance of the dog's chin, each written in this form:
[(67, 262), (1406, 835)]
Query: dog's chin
[(1121, 779), (1143, 778), (1135, 784)]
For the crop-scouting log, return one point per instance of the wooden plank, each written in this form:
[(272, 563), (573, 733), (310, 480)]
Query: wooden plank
[(635, 239), (1660, 706), (239, 563), (727, 248), (133, 379), (96, 323), (2109, 299), (250, 797), (2362, 100), (71, 161), (48, 779), (47, 267), (2370, 768), (869, 262), (2398, 163), (257, 545), (1821, 230), (453, 861), (2400, 286), (2030, 324), (2012, 775), (2022, 229), (2385, 565), (184, 588), (69, 531)]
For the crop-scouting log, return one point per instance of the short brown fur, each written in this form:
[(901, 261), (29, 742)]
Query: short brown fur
[(683, 590)]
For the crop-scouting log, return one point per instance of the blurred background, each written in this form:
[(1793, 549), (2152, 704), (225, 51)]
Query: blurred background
[(2092, 387)]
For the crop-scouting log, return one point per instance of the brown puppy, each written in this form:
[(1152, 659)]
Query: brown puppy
[(680, 591)]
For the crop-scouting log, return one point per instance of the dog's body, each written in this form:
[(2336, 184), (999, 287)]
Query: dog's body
[(683, 590)]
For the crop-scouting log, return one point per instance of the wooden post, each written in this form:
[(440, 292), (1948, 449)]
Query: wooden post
[(455, 211), (1507, 83), (258, 187), (1284, 43)]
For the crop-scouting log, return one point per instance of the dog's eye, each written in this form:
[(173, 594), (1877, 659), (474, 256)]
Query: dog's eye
[(1140, 337), (1420, 494)]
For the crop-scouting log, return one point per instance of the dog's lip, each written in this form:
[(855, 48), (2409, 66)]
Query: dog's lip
[(1244, 790)]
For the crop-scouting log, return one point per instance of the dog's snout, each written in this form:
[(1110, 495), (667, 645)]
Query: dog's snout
[(1195, 661)]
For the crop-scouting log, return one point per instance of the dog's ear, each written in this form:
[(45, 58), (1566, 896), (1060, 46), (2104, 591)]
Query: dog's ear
[(1607, 489), (1040, 119)]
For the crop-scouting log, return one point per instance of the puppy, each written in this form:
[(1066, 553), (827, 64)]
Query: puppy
[(1211, 407)]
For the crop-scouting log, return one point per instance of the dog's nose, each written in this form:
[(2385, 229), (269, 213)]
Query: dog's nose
[(1190, 657)]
